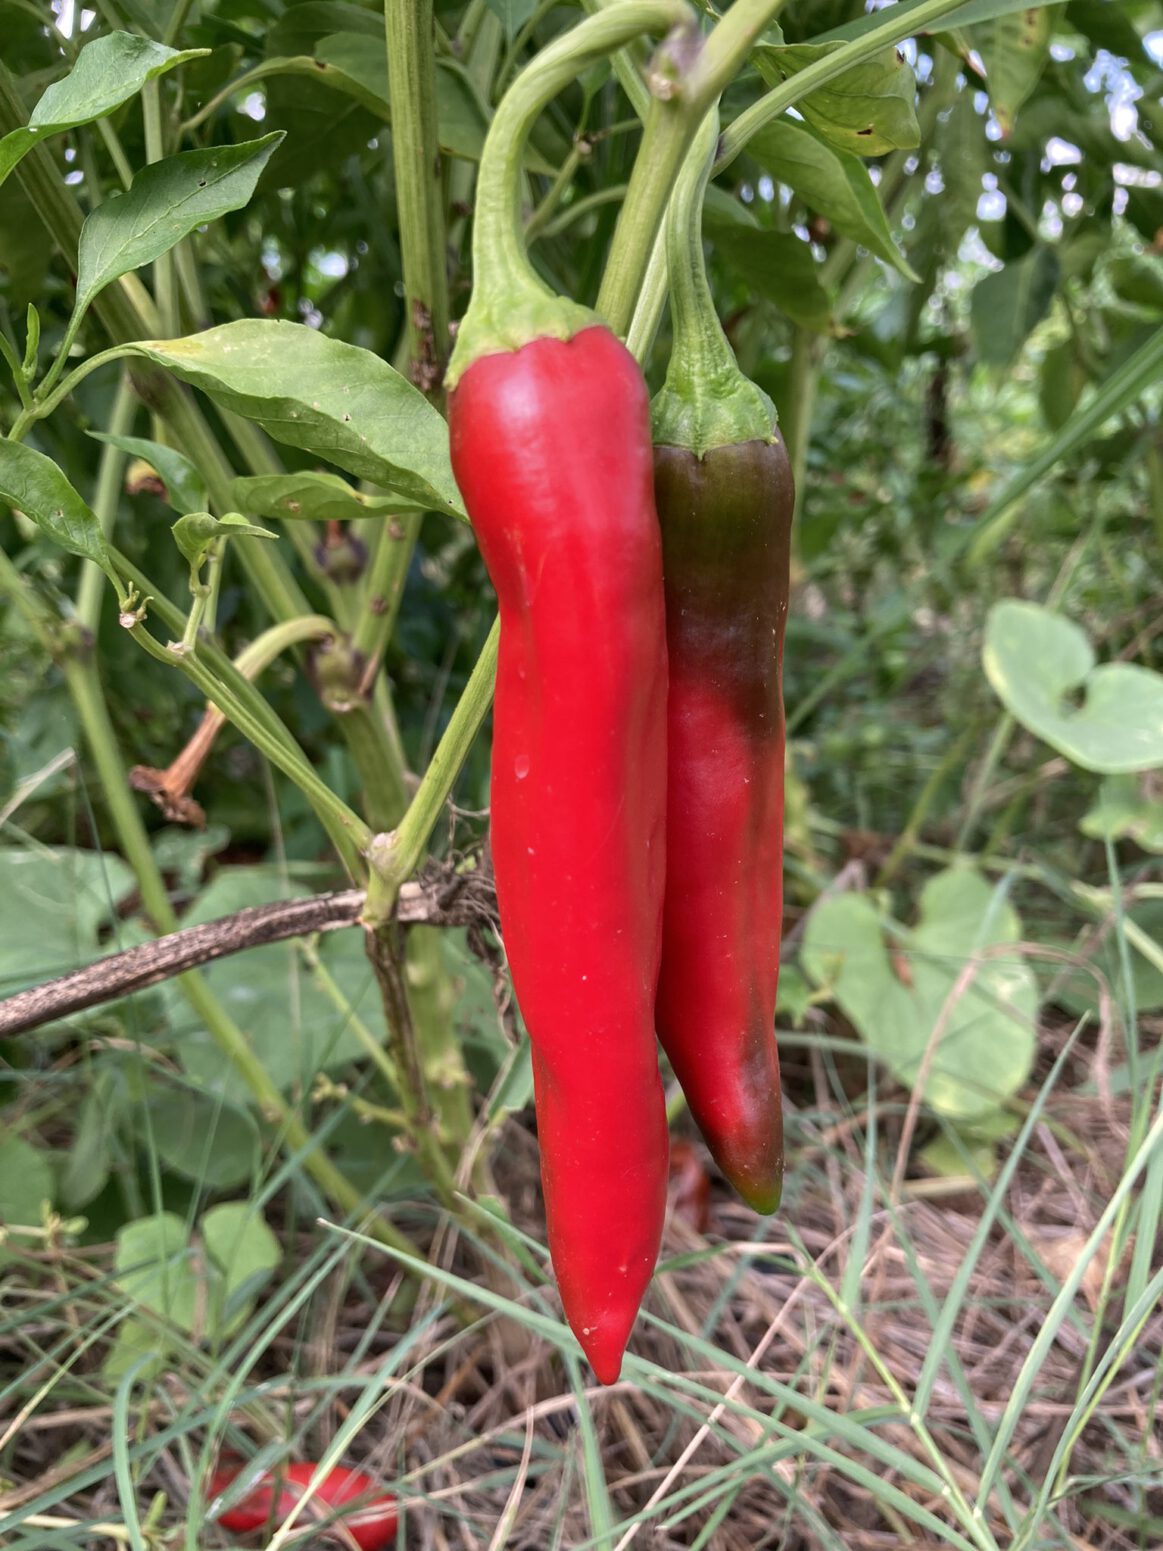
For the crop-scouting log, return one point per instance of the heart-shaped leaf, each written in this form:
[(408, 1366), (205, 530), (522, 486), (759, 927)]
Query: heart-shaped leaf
[(985, 1028), (1037, 661), (1128, 807)]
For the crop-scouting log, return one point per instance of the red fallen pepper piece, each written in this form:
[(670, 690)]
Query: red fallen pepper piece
[(372, 1525), (551, 449), (725, 498)]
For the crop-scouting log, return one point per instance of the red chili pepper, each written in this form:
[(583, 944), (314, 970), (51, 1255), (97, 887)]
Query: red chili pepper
[(725, 498), (372, 1525), (549, 422)]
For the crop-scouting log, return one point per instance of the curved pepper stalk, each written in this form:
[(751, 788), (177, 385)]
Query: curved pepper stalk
[(725, 496)]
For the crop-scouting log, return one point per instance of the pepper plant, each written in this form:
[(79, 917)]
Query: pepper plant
[(277, 241)]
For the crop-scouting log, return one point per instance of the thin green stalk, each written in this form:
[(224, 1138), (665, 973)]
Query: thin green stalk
[(116, 152), (16, 367), (395, 857), (383, 585), (614, 195), (357, 835), (44, 406), (177, 21), (925, 799), (1002, 734), (800, 403), (536, 224), (164, 290), (670, 128), (108, 492), (419, 186), (671, 122), (81, 677), (420, 974)]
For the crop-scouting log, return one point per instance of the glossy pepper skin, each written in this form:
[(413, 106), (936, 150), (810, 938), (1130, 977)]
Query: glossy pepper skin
[(725, 502), (726, 521), (372, 1525), (551, 450)]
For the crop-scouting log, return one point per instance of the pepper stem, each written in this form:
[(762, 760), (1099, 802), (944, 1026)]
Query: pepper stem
[(706, 400), (511, 304)]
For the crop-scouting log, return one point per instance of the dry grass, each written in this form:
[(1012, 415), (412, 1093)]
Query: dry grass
[(481, 1428)]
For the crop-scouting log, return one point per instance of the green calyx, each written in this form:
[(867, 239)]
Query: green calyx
[(706, 401), (511, 305)]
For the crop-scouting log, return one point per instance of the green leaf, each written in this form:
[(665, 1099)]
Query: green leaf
[(245, 1253), (1124, 386), (461, 124), (1138, 279), (26, 1185), (185, 488), (52, 907), (293, 1027), (34, 485), (210, 1142), (1014, 49), (1077, 988), (208, 1292), (196, 533), (831, 182), (109, 71), (985, 1028), (1127, 808), (153, 1268), (1036, 661), (963, 16), (164, 203), (1060, 383), (868, 110), (332, 399), (779, 266), (512, 14), (310, 496), (90, 1157), (1006, 305)]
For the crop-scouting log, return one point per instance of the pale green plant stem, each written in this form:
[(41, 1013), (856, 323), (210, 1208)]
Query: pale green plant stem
[(395, 857), (164, 289), (110, 470), (419, 191), (84, 686)]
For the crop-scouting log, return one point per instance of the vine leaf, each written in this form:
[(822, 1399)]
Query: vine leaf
[(1038, 662), (985, 1028), (108, 72)]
